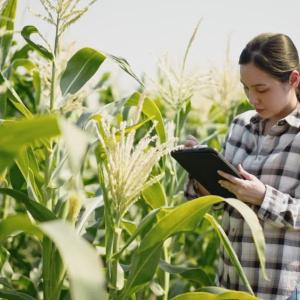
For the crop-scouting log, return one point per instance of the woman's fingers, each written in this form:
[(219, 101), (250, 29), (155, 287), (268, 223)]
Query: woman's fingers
[(229, 177), (244, 173), (191, 141)]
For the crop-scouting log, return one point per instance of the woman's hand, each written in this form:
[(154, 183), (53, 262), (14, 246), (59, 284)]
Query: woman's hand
[(250, 189), (190, 142)]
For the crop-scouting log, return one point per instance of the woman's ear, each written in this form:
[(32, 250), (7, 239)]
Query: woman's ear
[(294, 79)]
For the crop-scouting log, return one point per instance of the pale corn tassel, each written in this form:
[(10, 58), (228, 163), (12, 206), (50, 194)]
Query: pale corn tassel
[(129, 166)]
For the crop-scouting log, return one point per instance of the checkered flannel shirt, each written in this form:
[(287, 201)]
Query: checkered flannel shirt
[(275, 159)]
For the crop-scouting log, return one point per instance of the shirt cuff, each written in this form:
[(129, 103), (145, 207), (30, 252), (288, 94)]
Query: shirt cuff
[(272, 205)]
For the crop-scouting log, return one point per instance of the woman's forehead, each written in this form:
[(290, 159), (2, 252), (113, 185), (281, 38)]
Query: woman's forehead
[(253, 76)]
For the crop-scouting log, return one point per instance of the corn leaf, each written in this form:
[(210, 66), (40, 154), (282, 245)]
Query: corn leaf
[(80, 68), (80, 259), (17, 134), (13, 97), (230, 295), (155, 195), (191, 273), (38, 211), (14, 295), (7, 19), (182, 218), (229, 250), (151, 110), (26, 32)]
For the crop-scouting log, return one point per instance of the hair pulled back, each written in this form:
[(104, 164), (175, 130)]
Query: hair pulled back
[(275, 54)]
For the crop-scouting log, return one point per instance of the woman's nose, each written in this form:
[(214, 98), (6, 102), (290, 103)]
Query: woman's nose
[(253, 99)]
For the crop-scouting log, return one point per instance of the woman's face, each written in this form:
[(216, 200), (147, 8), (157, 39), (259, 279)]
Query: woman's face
[(271, 98)]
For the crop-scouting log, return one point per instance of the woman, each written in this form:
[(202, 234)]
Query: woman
[(264, 144)]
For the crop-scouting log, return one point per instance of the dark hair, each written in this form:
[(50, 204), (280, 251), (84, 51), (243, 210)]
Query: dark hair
[(275, 54)]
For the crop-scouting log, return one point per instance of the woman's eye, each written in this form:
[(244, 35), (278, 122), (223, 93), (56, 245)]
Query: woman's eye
[(262, 91)]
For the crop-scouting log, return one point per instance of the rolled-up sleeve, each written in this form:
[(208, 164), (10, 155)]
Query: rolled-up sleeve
[(280, 209)]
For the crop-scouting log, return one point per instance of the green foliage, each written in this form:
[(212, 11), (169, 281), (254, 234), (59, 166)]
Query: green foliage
[(80, 68), (54, 191), (7, 19), (26, 32)]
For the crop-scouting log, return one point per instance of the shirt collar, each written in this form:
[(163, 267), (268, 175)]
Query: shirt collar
[(293, 119)]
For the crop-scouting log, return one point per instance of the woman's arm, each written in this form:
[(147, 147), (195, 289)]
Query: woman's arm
[(276, 207)]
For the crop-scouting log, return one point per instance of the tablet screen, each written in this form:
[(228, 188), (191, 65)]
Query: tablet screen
[(203, 164)]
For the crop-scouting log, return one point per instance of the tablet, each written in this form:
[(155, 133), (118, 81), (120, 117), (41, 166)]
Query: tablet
[(202, 164)]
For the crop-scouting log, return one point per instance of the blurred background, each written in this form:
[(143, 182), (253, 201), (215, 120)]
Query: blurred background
[(144, 31)]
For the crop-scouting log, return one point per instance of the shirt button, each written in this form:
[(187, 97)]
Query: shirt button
[(281, 123)]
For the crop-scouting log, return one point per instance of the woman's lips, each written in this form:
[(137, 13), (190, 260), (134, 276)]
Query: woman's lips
[(259, 110)]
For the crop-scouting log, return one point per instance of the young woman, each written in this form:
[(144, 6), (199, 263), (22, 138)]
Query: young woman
[(264, 144)]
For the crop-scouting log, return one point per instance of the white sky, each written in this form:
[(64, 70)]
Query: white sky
[(143, 30)]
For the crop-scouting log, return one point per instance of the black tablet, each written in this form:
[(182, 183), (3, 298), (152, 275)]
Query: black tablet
[(203, 164)]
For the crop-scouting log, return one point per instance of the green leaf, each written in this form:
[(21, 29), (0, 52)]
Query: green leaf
[(141, 271), (81, 260), (76, 141), (14, 295), (230, 295), (256, 230), (80, 68), (14, 97), (229, 250), (17, 134), (18, 223), (33, 70), (143, 227), (125, 66), (155, 195), (184, 217), (38, 211), (27, 163), (26, 32), (194, 274), (7, 18), (151, 110)]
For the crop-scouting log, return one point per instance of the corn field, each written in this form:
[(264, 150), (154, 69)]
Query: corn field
[(91, 202)]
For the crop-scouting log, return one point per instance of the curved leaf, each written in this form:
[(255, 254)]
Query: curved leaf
[(7, 18), (26, 32), (14, 295), (14, 97), (155, 195), (151, 110), (184, 217), (38, 211), (16, 134), (230, 295), (80, 68), (194, 274), (230, 251), (256, 230), (143, 227), (80, 259)]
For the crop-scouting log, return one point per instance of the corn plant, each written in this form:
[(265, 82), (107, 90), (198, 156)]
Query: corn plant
[(103, 175)]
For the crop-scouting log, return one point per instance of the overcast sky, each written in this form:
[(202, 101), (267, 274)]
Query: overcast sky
[(143, 30)]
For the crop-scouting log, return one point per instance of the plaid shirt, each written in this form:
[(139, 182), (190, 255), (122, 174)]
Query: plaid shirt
[(275, 159)]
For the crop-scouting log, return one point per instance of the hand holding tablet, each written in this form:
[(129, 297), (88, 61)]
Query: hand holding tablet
[(202, 163)]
